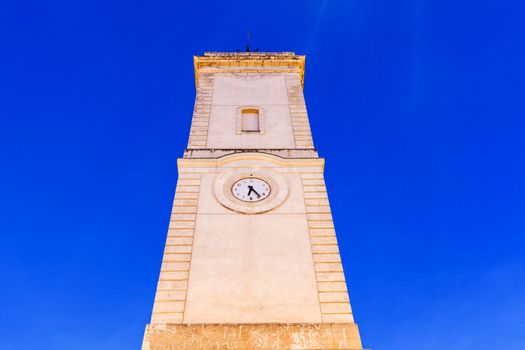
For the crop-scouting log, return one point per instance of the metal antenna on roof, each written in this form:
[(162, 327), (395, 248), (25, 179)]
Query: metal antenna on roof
[(248, 37)]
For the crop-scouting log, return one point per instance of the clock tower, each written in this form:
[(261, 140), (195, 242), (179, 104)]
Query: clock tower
[(251, 258)]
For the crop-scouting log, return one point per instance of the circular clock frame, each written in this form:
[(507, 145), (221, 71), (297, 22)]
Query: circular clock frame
[(225, 181), (252, 189)]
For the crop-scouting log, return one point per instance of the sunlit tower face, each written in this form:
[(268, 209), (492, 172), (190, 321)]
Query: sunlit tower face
[(251, 256)]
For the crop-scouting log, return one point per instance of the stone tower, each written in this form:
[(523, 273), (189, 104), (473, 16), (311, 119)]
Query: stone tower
[(251, 258)]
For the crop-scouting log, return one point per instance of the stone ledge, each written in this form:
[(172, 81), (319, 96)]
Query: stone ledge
[(282, 62), (208, 153), (252, 336)]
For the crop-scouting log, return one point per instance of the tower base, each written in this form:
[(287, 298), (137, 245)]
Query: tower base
[(252, 336)]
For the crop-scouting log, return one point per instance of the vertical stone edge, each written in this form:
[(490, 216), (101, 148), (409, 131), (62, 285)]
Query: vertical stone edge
[(171, 294), (201, 112), (300, 123), (331, 284)]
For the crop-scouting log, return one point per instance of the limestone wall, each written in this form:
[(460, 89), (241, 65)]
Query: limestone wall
[(278, 95), (221, 266)]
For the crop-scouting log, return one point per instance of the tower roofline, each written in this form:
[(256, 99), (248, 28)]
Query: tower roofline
[(249, 62)]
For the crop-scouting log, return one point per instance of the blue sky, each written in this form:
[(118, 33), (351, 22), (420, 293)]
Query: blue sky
[(417, 107)]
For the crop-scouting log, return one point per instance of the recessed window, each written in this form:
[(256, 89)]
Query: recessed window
[(250, 120)]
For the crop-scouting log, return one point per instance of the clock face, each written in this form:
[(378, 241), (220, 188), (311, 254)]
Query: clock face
[(251, 189)]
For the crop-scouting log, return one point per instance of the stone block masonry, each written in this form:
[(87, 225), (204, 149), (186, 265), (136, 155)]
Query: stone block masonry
[(201, 113), (172, 288), (331, 285), (253, 337), (254, 273)]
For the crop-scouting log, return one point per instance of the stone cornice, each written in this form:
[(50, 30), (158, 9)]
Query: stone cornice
[(249, 62), (260, 157), (206, 153)]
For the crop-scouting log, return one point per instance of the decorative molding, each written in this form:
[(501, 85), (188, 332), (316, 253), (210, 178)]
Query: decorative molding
[(256, 156), (248, 62), (284, 153)]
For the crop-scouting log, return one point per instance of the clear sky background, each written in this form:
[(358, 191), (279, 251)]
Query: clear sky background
[(417, 106)]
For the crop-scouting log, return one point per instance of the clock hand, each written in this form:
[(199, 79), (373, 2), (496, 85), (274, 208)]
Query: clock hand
[(258, 195), (250, 191)]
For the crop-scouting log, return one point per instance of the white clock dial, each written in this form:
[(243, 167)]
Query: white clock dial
[(251, 189)]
